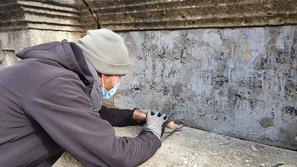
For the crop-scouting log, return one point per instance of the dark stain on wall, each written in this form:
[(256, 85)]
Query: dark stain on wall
[(219, 80), (291, 88), (289, 133), (266, 122), (290, 110)]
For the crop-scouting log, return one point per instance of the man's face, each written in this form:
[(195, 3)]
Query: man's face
[(108, 81)]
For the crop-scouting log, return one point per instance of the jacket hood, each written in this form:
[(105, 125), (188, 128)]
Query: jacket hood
[(62, 53)]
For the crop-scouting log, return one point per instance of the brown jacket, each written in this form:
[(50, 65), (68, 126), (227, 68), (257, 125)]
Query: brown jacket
[(45, 109)]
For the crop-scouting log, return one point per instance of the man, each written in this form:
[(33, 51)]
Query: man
[(50, 100)]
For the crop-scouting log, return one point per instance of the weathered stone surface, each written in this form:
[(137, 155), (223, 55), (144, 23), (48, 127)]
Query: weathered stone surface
[(178, 14), (196, 148), (41, 15), (237, 82), (7, 58), (27, 23), (17, 40)]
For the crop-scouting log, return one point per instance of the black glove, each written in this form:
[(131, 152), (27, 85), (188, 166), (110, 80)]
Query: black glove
[(155, 123)]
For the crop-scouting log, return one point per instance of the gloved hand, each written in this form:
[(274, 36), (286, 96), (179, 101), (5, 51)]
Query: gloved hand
[(155, 123)]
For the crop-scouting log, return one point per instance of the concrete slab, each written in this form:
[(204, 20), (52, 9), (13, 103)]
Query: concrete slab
[(195, 148)]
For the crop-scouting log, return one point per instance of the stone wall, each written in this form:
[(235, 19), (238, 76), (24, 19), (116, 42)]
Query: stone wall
[(234, 81), (238, 82), (59, 15), (181, 14), (31, 22)]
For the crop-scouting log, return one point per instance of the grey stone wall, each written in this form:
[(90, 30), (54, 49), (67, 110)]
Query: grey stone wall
[(58, 15), (238, 82)]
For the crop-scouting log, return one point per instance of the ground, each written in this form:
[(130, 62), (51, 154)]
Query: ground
[(195, 148)]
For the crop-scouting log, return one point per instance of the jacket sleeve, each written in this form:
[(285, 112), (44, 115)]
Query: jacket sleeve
[(63, 109), (118, 117)]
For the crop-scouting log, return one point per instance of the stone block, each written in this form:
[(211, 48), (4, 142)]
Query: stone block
[(195, 148)]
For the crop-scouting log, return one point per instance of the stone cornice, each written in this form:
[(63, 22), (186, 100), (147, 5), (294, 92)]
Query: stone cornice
[(180, 14), (34, 14)]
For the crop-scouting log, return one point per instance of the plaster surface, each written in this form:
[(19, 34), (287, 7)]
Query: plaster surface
[(238, 82)]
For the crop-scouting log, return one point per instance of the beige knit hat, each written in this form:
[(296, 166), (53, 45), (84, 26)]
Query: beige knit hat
[(105, 51)]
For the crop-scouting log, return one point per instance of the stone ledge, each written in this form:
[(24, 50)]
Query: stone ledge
[(196, 148), (36, 14), (176, 14)]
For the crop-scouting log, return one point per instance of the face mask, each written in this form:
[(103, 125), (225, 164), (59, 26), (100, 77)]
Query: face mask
[(111, 92)]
